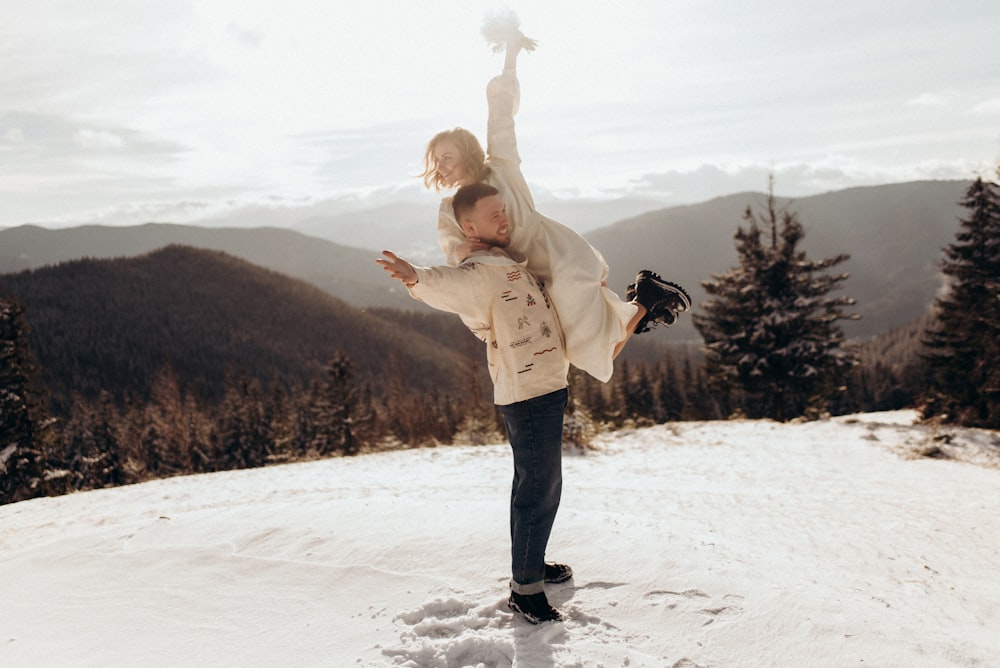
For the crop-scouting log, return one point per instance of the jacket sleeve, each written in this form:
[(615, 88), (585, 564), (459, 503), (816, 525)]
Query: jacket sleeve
[(503, 95), (462, 290)]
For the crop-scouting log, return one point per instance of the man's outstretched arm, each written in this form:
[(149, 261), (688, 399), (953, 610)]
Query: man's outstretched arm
[(398, 268)]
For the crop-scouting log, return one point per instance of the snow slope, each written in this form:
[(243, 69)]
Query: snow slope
[(742, 543)]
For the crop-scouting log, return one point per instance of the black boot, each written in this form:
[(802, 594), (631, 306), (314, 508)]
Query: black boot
[(663, 300), (534, 607)]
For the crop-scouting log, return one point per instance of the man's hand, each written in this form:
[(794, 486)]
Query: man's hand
[(398, 268)]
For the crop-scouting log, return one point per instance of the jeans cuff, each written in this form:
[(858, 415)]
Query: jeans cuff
[(527, 589)]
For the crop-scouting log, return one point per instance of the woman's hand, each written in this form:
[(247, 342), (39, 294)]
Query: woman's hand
[(468, 247), (525, 43), (515, 43)]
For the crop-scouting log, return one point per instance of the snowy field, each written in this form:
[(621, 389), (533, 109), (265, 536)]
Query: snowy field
[(713, 544)]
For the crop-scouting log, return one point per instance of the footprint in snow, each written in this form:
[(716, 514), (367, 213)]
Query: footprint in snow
[(459, 631), (695, 600), (454, 632)]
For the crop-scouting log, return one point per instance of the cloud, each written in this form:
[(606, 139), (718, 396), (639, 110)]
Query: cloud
[(245, 36), (64, 138), (989, 107), (929, 100), (791, 179), (97, 139)]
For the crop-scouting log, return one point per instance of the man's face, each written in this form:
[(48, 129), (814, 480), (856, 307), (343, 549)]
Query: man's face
[(489, 223)]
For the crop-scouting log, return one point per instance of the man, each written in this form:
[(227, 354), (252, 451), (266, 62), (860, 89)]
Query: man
[(506, 307)]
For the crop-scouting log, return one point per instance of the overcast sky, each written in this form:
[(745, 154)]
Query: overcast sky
[(134, 110)]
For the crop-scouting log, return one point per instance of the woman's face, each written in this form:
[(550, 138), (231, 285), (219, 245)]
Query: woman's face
[(450, 164)]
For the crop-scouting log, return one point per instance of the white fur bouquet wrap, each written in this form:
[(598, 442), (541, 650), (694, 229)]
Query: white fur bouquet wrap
[(502, 29)]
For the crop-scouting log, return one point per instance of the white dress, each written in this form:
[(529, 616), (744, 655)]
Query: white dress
[(593, 318)]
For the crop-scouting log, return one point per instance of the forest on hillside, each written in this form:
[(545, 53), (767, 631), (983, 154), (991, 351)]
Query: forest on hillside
[(187, 360)]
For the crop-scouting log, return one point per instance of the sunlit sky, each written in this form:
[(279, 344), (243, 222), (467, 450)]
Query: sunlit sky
[(123, 111)]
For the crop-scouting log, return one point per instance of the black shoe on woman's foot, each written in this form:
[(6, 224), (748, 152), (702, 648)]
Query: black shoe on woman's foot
[(651, 291), (662, 300)]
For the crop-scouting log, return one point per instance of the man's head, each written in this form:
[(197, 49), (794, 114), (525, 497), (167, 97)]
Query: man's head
[(480, 213)]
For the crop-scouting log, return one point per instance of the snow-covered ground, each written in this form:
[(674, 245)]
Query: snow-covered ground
[(742, 543)]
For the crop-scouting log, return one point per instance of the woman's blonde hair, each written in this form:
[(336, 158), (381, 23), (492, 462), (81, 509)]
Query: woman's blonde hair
[(473, 158)]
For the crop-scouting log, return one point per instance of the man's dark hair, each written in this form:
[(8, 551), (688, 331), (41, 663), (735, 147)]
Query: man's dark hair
[(467, 196)]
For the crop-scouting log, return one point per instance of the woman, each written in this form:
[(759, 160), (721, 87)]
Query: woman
[(596, 322)]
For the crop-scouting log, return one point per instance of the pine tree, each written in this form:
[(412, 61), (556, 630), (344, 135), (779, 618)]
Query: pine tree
[(166, 445), (637, 395), (279, 416), (963, 341), (341, 419), (479, 426), (673, 398), (92, 452), (22, 416), (770, 328), (703, 403), (245, 439)]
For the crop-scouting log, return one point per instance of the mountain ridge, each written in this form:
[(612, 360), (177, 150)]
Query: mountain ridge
[(113, 324), (894, 233)]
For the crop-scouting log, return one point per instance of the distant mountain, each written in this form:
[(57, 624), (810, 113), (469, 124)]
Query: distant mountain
[(112, 324), (410, 228), (349, 273), (894, 233)]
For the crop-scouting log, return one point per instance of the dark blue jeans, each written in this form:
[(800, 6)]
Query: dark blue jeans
[(534, 428)]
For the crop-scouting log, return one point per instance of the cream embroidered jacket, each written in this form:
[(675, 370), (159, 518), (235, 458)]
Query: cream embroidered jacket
[(506, 307), (594, 318)]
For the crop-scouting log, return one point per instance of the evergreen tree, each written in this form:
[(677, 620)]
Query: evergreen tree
[(770, 328), (479, 426), (615, 411), (637, 395), (704, 404), (165, 439), (245, 439), (673, 398), (964, 339), (279, 416), (92, 452), (22, 417), (591, 395), (204, 455), (578, 426), (342, 420)]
